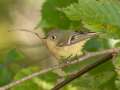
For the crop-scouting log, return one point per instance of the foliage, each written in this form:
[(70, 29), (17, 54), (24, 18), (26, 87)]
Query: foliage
[(52, 18), (96, 15)]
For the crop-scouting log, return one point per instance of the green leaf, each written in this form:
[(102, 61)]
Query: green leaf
[(96, 44), (97, 15), (100, 78), (95, 11), (52, 17), (117, 69)]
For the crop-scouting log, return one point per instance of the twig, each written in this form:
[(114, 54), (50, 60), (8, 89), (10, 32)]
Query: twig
[(87, 56), (33, 32), (82, 71)]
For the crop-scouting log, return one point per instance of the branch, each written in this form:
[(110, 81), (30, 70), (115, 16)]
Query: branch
[(25, 30), (83, 71), (87, 56)]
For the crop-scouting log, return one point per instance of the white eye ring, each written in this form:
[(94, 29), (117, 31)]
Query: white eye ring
[(53, 37)]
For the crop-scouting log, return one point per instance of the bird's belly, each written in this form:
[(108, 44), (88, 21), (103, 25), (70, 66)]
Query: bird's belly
[(70, 51)]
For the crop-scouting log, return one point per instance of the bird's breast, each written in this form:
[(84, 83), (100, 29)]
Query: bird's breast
[(67, 51)]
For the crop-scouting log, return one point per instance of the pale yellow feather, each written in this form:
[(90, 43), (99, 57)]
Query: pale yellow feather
[(65, 51)]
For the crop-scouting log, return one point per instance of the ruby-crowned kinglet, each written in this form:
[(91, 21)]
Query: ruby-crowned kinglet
[(67, 43)]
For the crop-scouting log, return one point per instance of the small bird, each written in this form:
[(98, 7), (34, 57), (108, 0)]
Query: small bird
[(67, 43)]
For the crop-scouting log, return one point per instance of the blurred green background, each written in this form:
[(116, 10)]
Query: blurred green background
[(21, 53)]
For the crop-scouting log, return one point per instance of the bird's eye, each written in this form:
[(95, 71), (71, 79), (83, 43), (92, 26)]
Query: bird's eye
[(53, 37)]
